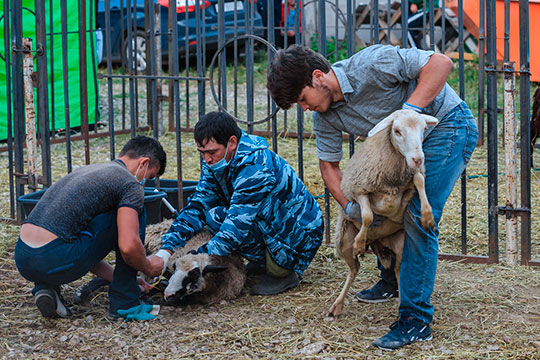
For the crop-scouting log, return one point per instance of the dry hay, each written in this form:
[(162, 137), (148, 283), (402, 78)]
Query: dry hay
[(481, 311)]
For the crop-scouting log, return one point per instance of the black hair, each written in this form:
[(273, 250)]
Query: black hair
[(144, 146), (291, 71), (218, 125)]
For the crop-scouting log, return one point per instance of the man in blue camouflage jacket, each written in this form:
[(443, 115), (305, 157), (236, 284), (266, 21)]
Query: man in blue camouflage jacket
[(254, 203)]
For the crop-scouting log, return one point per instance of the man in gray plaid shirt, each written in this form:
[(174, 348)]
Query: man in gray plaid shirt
[(352, 96)]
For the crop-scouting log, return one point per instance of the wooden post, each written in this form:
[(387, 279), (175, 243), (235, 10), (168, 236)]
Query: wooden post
[(510, 162), (30, 111)]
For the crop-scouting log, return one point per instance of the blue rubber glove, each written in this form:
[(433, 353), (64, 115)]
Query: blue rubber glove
[(139, 312), (407, 106), (353, 211)]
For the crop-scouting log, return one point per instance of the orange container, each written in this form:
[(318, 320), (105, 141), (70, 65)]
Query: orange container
[(471, 20)]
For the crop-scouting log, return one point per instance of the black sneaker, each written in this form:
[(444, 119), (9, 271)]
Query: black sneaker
[(51, 304), (380, 292), (404, 332), (87, 291), (271, 285)]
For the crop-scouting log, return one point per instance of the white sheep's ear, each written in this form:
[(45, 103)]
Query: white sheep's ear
[(430, 120), (383, 124)]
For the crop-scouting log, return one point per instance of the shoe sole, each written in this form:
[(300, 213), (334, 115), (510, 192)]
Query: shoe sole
[(392, 349), (47, 306), (375, 301)]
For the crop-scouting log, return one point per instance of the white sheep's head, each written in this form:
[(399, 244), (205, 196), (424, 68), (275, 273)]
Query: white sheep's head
[(188, 277), (407, 134)]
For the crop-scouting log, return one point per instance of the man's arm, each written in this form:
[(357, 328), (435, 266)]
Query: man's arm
[(130, 244), (192, 217), (331, 174), (431, 80)]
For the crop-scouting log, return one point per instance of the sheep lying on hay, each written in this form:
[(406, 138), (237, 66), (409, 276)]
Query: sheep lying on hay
[(198, 278), (381, 177)]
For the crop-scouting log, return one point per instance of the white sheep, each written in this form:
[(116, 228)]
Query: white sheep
[(381, 177), (198, 278)]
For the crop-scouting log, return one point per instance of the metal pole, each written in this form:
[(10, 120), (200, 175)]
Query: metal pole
[(92, 10), (272, 40), (510, 162), (174, 94), (63, 15), (462, 95), (109, 80), (151, 55), (222, 59), (481, 71), (322, 27), (30, 112), (8, 108), (51, 55), (129, 59), (404, 23), (200, 61), (506, 30), (186, 32), (18, 99), (525, 133), (124, 63), (249, 68), (43, 93), (491, 67), (159, 54), (83, 79)]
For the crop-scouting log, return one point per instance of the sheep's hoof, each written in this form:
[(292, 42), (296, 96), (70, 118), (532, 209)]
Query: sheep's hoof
[(359, 250), (428, 222), (335, 309)]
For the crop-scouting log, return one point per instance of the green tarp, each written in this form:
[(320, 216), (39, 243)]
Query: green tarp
[(73, 63)]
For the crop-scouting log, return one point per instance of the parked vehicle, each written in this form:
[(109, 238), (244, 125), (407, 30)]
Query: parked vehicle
[(119, 41)]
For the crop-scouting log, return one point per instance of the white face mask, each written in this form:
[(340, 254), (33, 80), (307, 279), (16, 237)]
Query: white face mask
[(144, 176)]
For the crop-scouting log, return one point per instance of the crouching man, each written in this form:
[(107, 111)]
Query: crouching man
[(81, 218), (254, 203)]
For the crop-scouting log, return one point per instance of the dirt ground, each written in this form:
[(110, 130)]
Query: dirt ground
[(481, 312)]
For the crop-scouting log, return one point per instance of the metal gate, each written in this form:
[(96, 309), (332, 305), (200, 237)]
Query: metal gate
[(167, 62)]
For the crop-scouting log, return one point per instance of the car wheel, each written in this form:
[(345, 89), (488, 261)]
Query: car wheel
[(138, 49)]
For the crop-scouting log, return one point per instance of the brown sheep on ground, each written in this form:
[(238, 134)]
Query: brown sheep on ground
[(198, 278)]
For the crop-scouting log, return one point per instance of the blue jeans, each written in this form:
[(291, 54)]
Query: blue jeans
[(447, 150), (60, 262)]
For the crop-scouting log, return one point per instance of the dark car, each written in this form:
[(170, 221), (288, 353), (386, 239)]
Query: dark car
[(139, 43)]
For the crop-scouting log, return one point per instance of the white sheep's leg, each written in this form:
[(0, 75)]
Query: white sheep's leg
[(425, 208), (367, 220), (344, 248)]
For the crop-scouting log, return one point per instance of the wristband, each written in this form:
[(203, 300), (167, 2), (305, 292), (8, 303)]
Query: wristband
[(407, 106)]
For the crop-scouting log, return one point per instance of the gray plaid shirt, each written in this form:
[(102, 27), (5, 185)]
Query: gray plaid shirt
[(375, 82)]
